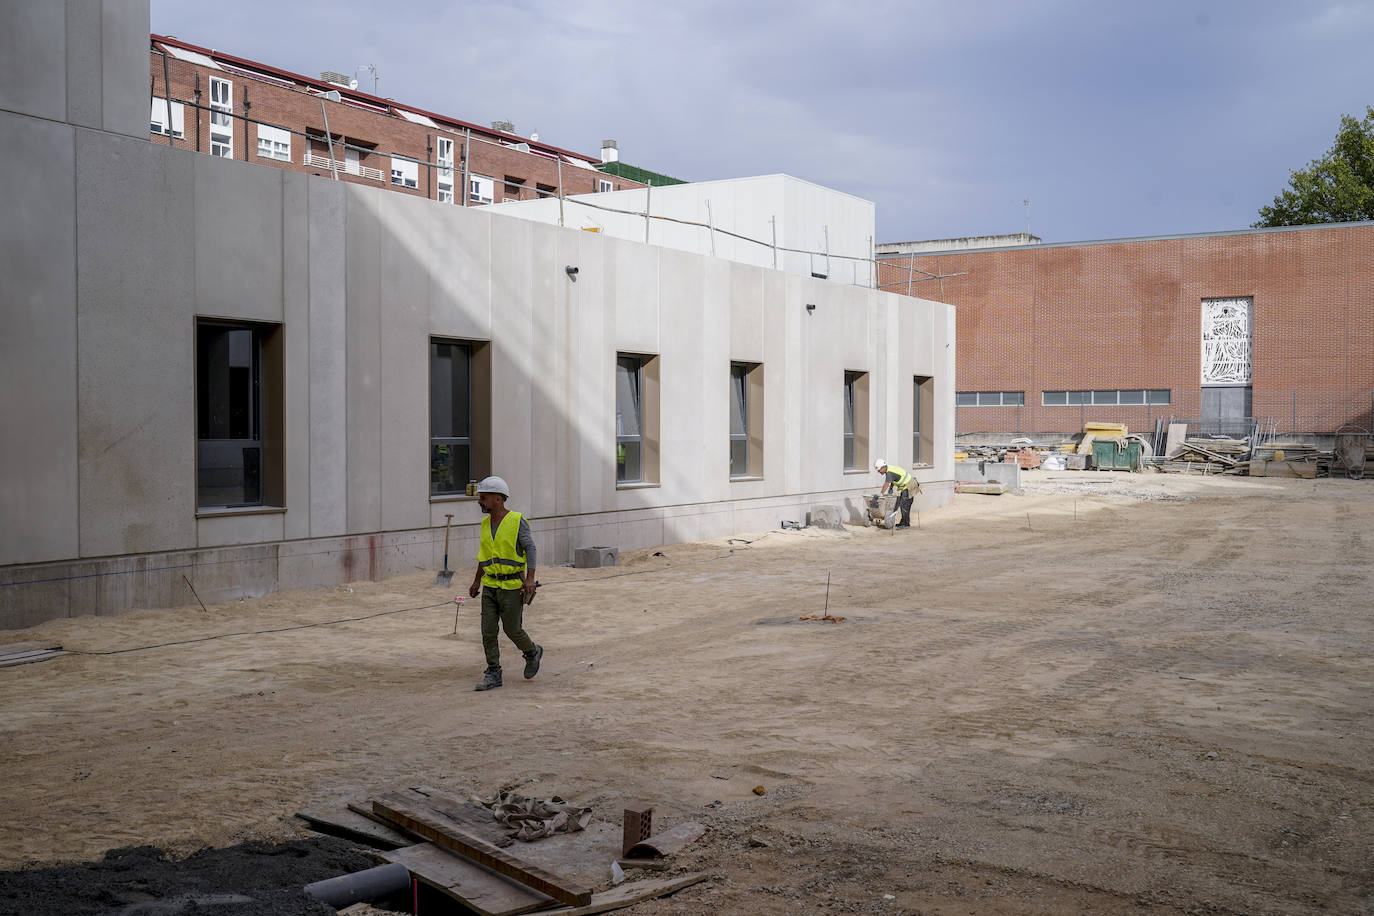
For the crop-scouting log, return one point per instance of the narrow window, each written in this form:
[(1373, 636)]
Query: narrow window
[(450, 417), (739, 419), (629, 419), (221, 118), (922, 413), (604, 185), (444, 178), (855, 420), (238, 451)]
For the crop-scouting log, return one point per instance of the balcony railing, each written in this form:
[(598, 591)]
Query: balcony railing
[(350, 168)]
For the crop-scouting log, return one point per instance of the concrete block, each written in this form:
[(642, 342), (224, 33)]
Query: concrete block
[(1002, 472), (33, 59), (38, 349), (136, 379), (123, 67), (595, 557), (827, 517)]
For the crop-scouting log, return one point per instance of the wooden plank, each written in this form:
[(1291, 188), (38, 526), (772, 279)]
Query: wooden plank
[(467, 882), (350, 825), (443, 831), (1174, 439), (627, 895), (1303, 469)]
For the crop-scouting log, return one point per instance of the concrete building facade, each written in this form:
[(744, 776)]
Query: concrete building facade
[(227, 106), (252, 378), (1222, 329)]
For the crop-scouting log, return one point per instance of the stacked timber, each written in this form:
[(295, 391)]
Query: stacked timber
[(1208, 456)]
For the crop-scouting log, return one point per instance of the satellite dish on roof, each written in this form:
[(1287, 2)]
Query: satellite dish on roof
[(534, 137), (352, 84)]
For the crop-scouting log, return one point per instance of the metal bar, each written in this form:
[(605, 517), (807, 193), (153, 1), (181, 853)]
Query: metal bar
[(329, 138), (167, 92), (467, 155), (560, 193), (711, 228)]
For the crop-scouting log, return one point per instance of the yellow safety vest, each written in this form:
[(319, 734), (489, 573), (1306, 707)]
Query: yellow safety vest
[(903, 477), (499, 558)]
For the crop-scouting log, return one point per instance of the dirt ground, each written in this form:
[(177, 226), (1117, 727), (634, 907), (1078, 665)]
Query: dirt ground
[(1106, 693)]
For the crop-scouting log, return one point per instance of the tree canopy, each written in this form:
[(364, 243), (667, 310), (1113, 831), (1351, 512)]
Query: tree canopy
[(1337, 188)]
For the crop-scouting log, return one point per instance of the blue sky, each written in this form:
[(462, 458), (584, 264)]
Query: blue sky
[(1116, 119)]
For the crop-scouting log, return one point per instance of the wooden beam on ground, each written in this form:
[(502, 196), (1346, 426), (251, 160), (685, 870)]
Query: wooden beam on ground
[(473, 886), (445, 832), (627, 895), (350, 825)]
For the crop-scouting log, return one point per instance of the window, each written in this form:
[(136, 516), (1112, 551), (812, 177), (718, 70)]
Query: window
[(238, 415), (274, 143), (515, 188), (481, 189), (544, 190), (459, 414), (603, 185), (629, 419), (221, 120), (990, 399), (636, 418), (160, 120), (444, 178), (855, 421), (405, 172), (1126, 396), (746, 420), (922, 420)]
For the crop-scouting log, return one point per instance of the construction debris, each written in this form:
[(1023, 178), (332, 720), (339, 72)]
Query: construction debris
[(25, 653), (452, 850), (532, 818)]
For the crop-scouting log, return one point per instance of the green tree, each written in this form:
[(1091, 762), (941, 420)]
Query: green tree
[(1337, 188)]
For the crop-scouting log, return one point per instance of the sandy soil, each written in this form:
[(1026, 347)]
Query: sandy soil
[(1107, 693)]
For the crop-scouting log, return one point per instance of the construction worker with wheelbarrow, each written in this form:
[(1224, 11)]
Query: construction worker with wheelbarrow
[(505, 577), (900, 481)]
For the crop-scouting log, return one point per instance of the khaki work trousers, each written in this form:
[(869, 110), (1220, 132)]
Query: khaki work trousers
[(503, 609)]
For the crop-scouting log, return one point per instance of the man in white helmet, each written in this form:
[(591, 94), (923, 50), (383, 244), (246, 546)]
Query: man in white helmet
[(900, 481), (505, 577)]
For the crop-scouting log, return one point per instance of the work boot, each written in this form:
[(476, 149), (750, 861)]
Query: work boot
[(491, 680), (532, 662)]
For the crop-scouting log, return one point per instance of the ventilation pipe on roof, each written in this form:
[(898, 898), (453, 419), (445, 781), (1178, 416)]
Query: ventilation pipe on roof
[(609, 151)]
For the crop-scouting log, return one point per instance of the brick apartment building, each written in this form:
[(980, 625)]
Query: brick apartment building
[(223, 105), (1217, 328)]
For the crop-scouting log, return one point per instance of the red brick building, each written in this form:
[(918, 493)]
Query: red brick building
[(1217, 328), (223, 105)]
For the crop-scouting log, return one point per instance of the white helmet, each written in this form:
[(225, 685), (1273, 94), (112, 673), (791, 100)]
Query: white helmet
[(879, 464), (494, 485)]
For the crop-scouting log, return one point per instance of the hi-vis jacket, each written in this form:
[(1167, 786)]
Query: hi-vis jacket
[(903, 477), (499, 557)]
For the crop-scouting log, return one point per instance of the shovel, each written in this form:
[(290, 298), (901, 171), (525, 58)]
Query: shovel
[(445, 576)]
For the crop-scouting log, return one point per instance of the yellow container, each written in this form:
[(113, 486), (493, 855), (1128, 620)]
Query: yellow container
[(1106, 430)]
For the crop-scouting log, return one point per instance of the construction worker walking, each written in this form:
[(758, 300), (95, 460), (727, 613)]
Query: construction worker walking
[(505, 577), (899, 481)]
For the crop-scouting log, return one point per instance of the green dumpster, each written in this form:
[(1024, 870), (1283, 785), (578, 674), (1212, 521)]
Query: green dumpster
[(1116, 455)]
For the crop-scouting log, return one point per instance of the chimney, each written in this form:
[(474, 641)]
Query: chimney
[(609, 151)]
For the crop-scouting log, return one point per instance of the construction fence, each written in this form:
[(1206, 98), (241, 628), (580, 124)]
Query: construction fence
[(1273, 413)]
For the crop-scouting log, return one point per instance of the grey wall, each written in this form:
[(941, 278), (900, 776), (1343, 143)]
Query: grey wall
[(120, 245)]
